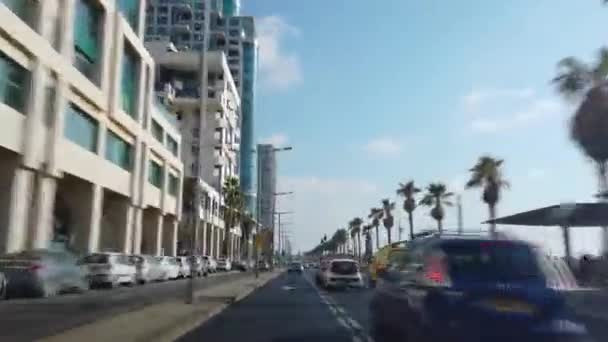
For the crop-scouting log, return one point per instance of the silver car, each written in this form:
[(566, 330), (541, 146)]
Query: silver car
[(147, 268), (42, 273)]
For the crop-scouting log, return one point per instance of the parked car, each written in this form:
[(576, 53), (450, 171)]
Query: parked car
[(295, 267), (224, 264), (169, 267), (211, 263), (240, 266), (185, 266), (41, 273), (144, 268), (109, 269), (198, 264), (472, 288), (3, 284), (341, 273), (263, 266)]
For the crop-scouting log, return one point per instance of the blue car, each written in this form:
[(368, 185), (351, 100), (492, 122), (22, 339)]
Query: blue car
[(473, 288)]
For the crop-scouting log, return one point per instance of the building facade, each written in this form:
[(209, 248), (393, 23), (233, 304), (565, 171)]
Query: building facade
[(267, 184), (217, 25), (88, 157)]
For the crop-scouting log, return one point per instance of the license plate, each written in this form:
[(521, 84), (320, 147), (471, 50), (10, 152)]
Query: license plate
[(511, 306)]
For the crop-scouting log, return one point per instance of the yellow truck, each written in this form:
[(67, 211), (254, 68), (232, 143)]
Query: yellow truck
[(381, 259)]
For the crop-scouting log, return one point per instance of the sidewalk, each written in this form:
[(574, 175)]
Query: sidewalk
[(165, 321)]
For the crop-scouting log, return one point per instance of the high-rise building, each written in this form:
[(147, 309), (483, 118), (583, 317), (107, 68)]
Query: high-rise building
[(186, 23), (88, 159), (267, 184)]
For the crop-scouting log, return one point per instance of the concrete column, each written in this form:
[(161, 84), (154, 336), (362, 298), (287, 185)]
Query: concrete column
[(127, 229), (204, 237), (137, 230), (158, 227), (33, 135), (173, 227), (85, 201), (17, 209), (218, 242), (95, 218), (211, 240), (42, 224)]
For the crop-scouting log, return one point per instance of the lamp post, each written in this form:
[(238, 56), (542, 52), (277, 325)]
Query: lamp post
[(279, 223)]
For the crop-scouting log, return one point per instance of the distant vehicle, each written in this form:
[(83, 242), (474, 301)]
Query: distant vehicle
[(295, 267), (224, 264), (211, 263), (471, 288), (263, 265), (169, 267), (382, 258), (41, 273), (240, 266), (184, 266), (146, 268), (109, 269), (341, 273)]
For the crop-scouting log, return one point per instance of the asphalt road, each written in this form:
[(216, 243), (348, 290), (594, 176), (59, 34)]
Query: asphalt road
[(30, 319), (290, 308)]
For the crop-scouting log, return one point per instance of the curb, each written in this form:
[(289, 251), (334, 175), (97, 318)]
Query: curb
[(191, 323)]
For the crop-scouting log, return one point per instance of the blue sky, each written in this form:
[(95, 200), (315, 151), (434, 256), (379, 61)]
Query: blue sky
[(371, 94)]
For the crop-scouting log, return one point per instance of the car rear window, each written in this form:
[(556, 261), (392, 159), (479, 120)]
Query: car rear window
[(492, 260), (96, 259), (344, 267)]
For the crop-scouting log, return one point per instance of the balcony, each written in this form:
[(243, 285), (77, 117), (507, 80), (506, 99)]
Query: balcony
[(221, 120), (164, 112), (165, 90), (188, 96)]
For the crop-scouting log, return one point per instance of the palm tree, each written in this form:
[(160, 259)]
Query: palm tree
[(407, 191), (587, 85), (233, 200), (486, 173), (376, 215), (388, 220), (357, 222), (353, 235), (368, 240), (436, 197)]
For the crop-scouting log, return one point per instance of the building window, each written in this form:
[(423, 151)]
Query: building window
[(130, 10), (198, 26), (234, 21), (80, 128), (199, 16), (234, 42), (234, 33), (149, 30), (173, 184), (172, 145), (195, 132), (86, 38), (162, 31), (163, 10), (233, 53), (13, 83), (155, 174), (194, 149), (119, 151), (157, 131), (128, 89), (163, 20)]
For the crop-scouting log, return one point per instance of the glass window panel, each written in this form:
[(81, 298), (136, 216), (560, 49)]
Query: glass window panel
[(129, 82), (157, 131), (13, 83), (119, 151), (155, 174), (172, 145), (173, 184), (80, 128), (130, 10)]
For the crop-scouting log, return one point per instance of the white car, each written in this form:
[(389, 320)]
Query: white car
[(342, 273), (146, 268), (211, 263), (169, 267), (224, 264), (109, 269), (184, 266)]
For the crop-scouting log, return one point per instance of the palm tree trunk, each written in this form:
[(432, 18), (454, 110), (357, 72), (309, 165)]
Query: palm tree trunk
[(410, 218), (440, 226), (388, 234), (377, 238), (603, 187), (359, 245), (492, 209)]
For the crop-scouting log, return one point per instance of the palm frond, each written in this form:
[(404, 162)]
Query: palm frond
[(573, 79)]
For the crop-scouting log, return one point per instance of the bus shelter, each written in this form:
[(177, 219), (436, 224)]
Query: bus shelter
[(566, 216)]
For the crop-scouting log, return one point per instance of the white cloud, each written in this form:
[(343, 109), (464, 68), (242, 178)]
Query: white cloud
[(277, 139), (383, 147), (530, 112), (477, 98), (321, 205), (279, 68)]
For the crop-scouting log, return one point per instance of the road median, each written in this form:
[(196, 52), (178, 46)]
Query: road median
[(166, 320)]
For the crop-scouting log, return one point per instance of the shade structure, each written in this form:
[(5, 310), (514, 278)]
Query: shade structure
[(573, 215)]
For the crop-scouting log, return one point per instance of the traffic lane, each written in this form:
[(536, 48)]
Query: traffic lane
[(30, 319), (353, 302), (286, 309)]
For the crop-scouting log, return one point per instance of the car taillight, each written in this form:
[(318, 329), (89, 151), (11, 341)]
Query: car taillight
[(436, 271), (35, 267)]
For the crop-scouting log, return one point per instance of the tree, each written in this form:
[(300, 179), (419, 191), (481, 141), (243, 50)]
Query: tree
[(408, 191), (342, 239), (436, 197), (233, 202), (388, 219), (487, 174), (587, 85), (368, 240), (357, 222), (376, 215)]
